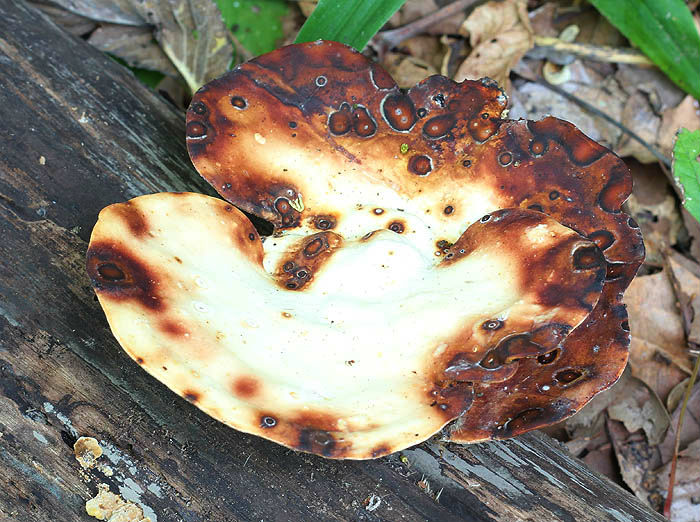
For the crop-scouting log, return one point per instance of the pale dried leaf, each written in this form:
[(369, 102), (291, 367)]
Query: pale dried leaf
[(71, 22), (657, 350), (686, 115), (500, 34), (686, 282), (638, 408), (193, 35), (134, 45), (407, 70), (637, 114)]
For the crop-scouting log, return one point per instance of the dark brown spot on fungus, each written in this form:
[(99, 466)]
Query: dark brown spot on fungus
[(324, 222), (397, 227), (422, 112), (315, 246), (245, 387), (548, 358), (378, 211), (117, 274), (139, 360), (268, 422), (554, 195), (505, 159), (399, 112), (198, 108), (536, 207), (191, 396), (587, 257), (319, 442), (493, 324), (110, 272), (448, 210), (491, 360), (251, 236), (522, 421), (239, 103), (467, 163), (439, 126), (196, 130), (380, 451), (420, 165), (568, 376), (340, 122), (481, 129), (363, 123), (538, 148)]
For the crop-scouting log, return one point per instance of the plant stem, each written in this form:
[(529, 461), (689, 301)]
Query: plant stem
[(674, 460)]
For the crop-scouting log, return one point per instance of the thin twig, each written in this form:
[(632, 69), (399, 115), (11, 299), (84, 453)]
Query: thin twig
[(594, 110), (593, 52), (674, 460), (386, 40)]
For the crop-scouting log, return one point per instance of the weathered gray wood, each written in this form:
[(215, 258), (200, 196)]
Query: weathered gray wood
[(78, 132)]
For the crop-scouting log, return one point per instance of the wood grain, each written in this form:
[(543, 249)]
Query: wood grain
[(104, 138)]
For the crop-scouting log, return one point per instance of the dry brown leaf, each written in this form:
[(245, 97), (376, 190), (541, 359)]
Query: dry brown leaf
[(637, 460), (134, 45), (686, 283), (425, 48), (500, 34), (638, 115), (654, 206), (638, 408), (685, 115), (407, 70), (657, 349), (686, 490)]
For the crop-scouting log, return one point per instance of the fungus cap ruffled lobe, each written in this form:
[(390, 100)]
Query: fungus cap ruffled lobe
[(393, 212)]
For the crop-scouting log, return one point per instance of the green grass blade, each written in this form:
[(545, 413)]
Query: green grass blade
[(686, 169), (664, 31), (352, 22)]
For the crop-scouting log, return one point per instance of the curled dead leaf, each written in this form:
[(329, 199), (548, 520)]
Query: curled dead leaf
[(500, 34)]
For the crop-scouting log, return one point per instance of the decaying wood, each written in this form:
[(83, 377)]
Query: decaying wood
[(79, 132)]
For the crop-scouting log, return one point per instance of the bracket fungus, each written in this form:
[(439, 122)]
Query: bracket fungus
[(433, 266)]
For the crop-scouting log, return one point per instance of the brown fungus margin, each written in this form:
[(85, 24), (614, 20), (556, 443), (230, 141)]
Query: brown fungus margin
[(254, 133)]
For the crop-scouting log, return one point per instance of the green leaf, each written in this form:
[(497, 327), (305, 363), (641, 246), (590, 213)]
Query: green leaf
[(145, 76), (686, 169), (664, 31), (352, 22), (257, 24)]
